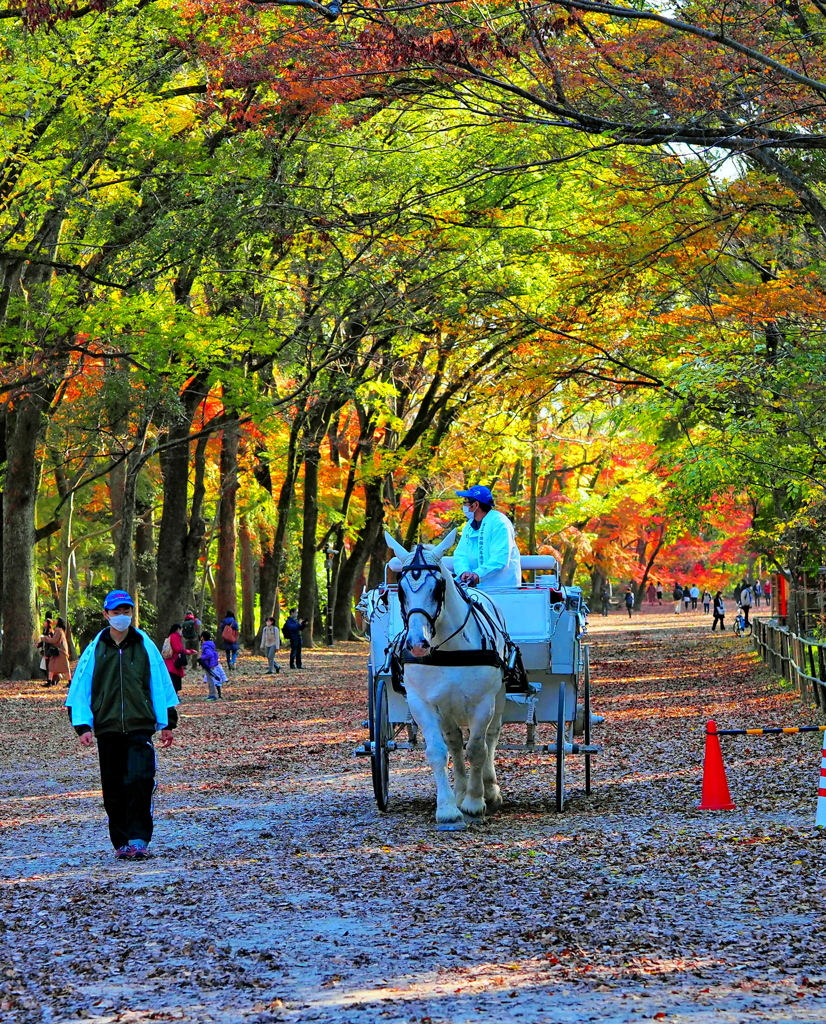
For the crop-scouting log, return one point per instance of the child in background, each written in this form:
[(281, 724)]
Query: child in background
[(210, 661)]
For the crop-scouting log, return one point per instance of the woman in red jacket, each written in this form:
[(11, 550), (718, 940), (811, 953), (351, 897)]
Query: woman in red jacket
[(175, 653)]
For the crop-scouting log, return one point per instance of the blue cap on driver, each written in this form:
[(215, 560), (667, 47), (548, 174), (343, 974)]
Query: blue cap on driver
[(478, 493)]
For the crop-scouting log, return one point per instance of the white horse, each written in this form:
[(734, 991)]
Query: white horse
[(459, 686)]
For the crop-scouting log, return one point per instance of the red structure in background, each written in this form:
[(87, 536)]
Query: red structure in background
[(780, 596)]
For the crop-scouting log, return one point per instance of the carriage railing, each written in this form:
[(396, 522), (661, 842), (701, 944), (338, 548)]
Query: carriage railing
[(801, 660)]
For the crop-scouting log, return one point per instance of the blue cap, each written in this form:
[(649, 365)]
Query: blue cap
[(478, 493), (115, 598)]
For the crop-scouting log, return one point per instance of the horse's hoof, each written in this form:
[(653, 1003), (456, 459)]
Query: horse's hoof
[(451, 826), (473, 819)]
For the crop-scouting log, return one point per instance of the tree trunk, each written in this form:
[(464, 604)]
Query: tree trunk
[(226, 597), (648, 562), (247, 584), (23, 422), (267, 578), (179, 535), (145, 573), (308, 587), (353, 566), (285, 500)]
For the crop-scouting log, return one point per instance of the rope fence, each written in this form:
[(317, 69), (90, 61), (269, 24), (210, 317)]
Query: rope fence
[(800, 660)]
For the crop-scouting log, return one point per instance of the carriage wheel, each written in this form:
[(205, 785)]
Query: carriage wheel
[(560, 750), (379, 762), (587, 706)]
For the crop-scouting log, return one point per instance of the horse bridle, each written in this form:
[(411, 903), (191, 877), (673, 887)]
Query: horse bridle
[(418, 570)]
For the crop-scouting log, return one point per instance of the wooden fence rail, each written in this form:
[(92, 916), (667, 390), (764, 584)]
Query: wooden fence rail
[(800, 660)]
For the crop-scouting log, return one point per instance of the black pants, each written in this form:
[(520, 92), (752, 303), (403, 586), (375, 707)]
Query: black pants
[(295, 652), (746, 610), (127, 777), (718, 618)]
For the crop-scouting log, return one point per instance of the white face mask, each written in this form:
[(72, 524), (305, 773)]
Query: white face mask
[(468, 513), (120, 622)]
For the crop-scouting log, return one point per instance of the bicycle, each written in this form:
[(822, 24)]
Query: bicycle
[(739, 624)]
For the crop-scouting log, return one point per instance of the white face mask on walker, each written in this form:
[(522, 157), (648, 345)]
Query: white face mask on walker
[(120, 622), (468, 512)]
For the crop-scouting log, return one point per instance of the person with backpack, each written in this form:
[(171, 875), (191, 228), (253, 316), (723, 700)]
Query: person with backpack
[(210, 661), (605, 598), (745, 602), (629, 600), (677, 595), (190, 631), (706, 602), (176, 655), (229, 636), (292, 631), (120, 696)]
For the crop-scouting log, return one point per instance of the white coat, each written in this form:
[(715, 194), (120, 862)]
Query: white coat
[(490, 552)]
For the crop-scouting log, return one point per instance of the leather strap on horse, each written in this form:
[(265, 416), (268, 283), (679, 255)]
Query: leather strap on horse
[(445, 658), (516, 679)]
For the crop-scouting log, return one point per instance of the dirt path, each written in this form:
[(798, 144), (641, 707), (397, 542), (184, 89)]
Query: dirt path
[(279, 893)]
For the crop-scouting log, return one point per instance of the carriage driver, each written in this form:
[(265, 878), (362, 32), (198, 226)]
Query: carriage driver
[(486, 553)]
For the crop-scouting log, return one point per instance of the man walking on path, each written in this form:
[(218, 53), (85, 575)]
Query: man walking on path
[(121, 694), (677, 595), (292, 631), (719, 612), (745, 603)]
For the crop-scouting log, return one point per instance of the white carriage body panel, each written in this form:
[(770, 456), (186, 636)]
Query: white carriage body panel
[(546, 634)]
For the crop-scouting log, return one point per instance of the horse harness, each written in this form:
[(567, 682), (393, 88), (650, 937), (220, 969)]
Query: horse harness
[(416, 572)]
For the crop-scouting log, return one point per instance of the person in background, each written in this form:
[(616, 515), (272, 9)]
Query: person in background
[(210, 661), (44, 643), (719, 612), (121, 695), (706, 602), (758, 592), (270, 642), (767, 593), (176, 655), (56, 652), (687, 598), (694, 591), (745, 602), (677, 595), (229, 636), (190, 631), (292, 631), (651, 593), (629, 600), (605, 598), (659, 592)]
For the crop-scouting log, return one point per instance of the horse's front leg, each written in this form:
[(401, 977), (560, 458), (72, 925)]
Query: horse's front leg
[(473, 804), (448, 815)]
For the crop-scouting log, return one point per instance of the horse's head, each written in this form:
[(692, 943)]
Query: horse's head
[(421, 591)]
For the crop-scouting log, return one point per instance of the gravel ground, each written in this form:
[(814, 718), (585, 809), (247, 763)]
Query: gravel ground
[(279, 893)]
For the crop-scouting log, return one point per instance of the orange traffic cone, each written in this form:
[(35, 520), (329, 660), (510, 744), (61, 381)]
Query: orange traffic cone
[(716, 796), (821, 793)]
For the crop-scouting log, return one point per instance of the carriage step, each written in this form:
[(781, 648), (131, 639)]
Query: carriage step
[(550, 748), (366, 749)]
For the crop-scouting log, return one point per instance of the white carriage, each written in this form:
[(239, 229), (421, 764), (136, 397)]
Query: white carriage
[(547, 622)]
